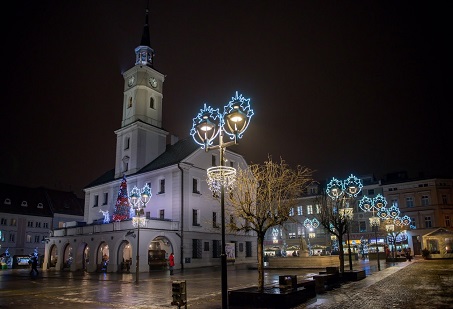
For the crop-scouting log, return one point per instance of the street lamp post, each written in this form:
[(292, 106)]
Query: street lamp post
[(377, 204), (139, 199), (208, 125), (345, 191)]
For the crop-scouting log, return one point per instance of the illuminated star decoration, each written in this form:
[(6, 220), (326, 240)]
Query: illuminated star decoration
[(212, 115), (244, 107)]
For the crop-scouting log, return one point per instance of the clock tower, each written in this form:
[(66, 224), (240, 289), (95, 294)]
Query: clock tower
[(141, 138)]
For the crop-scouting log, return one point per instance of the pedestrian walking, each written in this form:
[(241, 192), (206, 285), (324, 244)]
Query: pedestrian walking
[(34, 265), (171, 263)]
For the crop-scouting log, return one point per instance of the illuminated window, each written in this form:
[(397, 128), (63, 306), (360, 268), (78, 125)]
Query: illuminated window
[(300, 211), (28, 238), (447, 221), (291, 212), (309, 209), (318, 208)]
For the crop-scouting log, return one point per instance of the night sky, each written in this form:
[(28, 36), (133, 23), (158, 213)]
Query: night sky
[(340, 87)]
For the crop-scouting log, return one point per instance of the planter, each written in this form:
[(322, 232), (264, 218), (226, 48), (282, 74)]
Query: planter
[(272, 297), (354, 275)]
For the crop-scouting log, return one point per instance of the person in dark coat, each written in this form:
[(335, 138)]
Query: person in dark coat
[(34, 266)]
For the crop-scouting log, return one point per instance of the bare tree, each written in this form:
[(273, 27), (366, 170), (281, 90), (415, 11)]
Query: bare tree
[(333, 222), (262, 198)]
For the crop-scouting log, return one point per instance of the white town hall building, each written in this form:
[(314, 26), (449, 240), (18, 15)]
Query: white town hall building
[(182, 215)]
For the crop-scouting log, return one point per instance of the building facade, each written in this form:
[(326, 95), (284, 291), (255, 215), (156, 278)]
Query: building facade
[(182, 215), (426, 201), (28, 215)]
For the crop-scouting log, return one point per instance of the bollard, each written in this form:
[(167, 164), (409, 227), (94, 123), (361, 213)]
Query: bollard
[(179, 293)]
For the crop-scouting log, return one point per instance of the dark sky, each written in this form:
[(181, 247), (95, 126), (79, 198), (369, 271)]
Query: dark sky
[(337, 86)]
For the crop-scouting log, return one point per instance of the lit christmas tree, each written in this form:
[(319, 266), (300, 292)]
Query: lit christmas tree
[(122, 208)]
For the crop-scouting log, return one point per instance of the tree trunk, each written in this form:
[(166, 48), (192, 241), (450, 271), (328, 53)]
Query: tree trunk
[(341, 256), (260, 263)]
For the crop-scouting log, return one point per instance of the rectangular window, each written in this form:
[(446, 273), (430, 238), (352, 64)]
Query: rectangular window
[(12, 237), (148, 215), (318, 208), (46, 225), (37, 224), (216, 249), (213, 160), (444, 199), (428, 222), (412, 221), (162, 186), (231, 163), (370, 191), (409, 201), (214, 220), (362, 226), (106, 198), (30, 224), (241, 247), (96, 201), (291, 212), (447, 221), (195, 218), (394, 202), (37, 239), (13, 222), (3, 221), (196, 249), (29, 238), (195, 186), (309, 209), (425, 200), (248, 249), (300, 211), (162, 214), (2, 236), (206, 246)]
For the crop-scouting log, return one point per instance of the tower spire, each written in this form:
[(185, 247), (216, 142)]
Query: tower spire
[(144, 54)]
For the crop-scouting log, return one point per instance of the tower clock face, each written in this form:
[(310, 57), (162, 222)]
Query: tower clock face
[(131, 81), (153, 82)]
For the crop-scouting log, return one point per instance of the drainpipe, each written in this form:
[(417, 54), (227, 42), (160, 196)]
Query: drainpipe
[(182, 218)]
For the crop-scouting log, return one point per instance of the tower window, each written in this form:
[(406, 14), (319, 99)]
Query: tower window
[(151, 103), (130, 103), (127, 143)]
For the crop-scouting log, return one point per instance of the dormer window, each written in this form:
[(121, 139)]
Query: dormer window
[(24, 204), (7, 201)]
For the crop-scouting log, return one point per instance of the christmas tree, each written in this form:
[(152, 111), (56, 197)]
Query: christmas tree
[(122, 208)]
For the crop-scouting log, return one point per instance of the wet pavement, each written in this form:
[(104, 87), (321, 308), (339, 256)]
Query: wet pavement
[(417, 284)]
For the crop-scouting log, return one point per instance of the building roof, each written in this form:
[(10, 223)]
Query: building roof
[(173, 154), (38, 201)]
